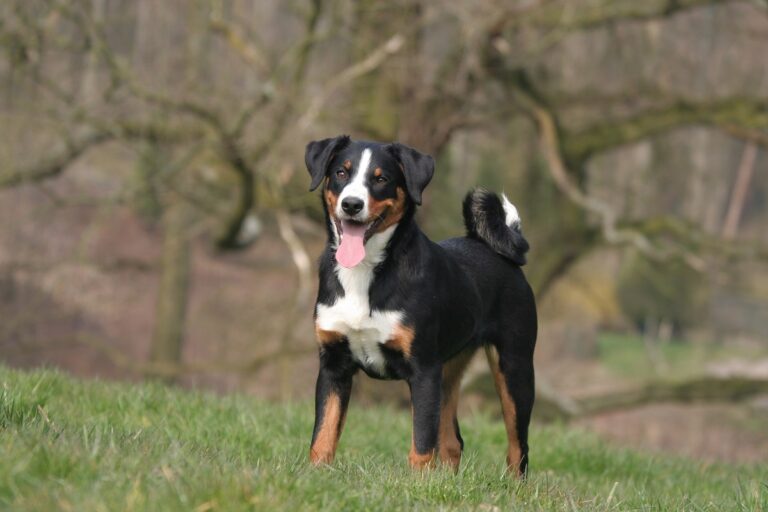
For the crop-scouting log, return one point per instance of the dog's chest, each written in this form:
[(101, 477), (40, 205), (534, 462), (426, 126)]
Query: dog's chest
[(351, 316)]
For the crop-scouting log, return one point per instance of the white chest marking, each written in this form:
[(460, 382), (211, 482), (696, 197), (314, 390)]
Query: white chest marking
[(351, 315)]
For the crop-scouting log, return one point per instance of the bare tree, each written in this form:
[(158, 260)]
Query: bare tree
[(227, 98)]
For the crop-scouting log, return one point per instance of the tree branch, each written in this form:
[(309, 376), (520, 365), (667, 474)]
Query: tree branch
[(393, 45), (246, 168), (550, 144), (54, 164), (687, 242), (571, 16), (240, 42), (742, 117), (554, 405)]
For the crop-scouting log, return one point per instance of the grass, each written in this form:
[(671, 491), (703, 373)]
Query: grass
[(67, 444)]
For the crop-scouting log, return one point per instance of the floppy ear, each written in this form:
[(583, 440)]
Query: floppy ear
[(418, 168), (319, 154)]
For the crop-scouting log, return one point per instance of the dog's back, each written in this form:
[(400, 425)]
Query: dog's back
[(491, 254)]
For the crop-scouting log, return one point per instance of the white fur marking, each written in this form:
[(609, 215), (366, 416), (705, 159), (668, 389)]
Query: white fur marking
[(511, 217), (356, 188), (336, 238), (352, 316)]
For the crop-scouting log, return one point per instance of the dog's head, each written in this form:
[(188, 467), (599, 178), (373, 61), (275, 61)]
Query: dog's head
[(368, 187)]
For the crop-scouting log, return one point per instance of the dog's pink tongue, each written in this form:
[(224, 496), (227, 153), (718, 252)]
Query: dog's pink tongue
[(351, 251)]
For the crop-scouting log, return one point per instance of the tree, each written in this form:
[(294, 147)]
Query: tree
[(226, 93)]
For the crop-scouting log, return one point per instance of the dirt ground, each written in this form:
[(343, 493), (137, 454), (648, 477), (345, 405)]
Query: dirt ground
[(713, 433)]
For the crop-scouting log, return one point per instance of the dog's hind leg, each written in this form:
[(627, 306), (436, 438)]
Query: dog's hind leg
[(450, 444), (514, 380)]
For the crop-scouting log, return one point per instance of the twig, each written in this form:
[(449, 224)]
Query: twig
[(52, 165), (550, 143), (393, 45), (740, 188), (299, 255)]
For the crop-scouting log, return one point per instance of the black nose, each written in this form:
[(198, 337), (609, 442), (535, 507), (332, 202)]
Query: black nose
[(351, 205)]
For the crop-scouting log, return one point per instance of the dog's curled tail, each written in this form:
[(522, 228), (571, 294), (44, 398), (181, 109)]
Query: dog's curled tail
[(494, 220)]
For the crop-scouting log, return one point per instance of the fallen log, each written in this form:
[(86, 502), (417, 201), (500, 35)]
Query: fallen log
[(552, 405)]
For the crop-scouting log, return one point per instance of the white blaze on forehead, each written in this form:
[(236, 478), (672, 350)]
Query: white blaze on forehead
[(365, 162), (356, 187)]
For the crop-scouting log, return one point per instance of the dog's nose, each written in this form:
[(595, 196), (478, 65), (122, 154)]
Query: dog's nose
[(351, 205)]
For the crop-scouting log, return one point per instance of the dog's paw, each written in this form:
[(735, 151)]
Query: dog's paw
[(422, 461), (320, 458)]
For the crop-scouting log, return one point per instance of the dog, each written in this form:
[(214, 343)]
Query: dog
[(396, 305)]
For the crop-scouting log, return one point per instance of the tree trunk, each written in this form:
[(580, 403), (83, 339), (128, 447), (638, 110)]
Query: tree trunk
[(168, 337)]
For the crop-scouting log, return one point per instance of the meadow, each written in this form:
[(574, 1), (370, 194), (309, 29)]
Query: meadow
[(67, 444)]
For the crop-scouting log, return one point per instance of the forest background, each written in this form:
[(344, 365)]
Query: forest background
[(155, 220)]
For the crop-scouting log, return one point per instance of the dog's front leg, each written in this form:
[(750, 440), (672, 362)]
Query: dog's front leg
[(425, 387), (334, 386)]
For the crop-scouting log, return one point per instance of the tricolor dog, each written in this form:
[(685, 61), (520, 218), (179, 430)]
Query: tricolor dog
[(396, 305)]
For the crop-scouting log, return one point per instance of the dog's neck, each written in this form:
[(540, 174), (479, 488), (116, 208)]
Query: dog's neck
[(382, 251)]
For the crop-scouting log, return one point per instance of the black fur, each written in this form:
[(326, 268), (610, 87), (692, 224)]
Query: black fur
[(319, 154), (484, 220), (456, 295), (418, 168)]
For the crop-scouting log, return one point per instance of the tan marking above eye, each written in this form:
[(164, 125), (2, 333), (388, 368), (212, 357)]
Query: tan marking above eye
[(347, 165), (377, 172)]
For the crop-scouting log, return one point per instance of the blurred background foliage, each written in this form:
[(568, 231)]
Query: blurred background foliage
[(156, 221)]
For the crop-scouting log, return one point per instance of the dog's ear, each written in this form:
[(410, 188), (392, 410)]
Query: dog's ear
[(319, 154), (418, 168)]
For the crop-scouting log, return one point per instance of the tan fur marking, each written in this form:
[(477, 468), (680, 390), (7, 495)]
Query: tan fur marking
[(323, 449), (392, 208), (324, 337), (420, 460), (379, 209), (330, 201), (449, 447), (509, 411), (401, 340), (347, 165), (377, 172)]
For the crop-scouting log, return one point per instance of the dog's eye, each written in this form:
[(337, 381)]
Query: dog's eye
[(381, 179), (341, 173)]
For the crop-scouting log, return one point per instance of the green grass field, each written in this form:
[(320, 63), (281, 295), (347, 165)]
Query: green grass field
[(74, 445)]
